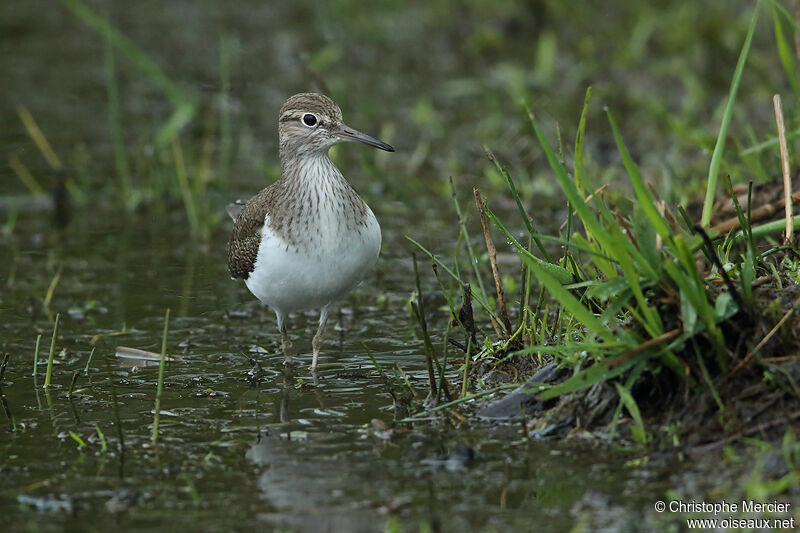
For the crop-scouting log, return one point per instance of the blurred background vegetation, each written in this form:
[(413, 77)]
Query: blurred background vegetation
[(159, 104)]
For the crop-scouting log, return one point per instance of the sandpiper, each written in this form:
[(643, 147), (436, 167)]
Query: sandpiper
[(308, 238)]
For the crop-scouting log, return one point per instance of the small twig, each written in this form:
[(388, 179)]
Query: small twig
[(760, 281), (476, 396), (501, 301), (758, 214), (465, 316), (599, 192), (704, 448), (796, 34), (646, 345), (781, 359), (72, 383), (626, 229), (418, 309), (787, 177), (741, 364), (461, 346)]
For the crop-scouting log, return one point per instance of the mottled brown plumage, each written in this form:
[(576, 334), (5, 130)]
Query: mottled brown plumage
[(291, 210), (246, 236)]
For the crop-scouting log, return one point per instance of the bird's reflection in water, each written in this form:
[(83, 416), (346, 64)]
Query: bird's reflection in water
[(299, 468)]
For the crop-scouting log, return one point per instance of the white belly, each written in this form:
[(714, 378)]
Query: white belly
[(295, 278)]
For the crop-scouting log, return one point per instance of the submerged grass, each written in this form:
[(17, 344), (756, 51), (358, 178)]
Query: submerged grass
[(36, 358), (52, 353), (160, 387)]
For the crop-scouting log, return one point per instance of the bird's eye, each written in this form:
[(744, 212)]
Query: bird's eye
[(309, 120)]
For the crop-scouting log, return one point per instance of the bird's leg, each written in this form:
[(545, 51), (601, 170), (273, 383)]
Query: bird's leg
[(315, 344), (286, 342)]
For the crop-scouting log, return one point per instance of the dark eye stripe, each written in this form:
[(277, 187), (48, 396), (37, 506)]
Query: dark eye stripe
[(292, 116)]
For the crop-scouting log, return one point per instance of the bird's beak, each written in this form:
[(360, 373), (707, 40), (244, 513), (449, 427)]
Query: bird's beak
[(349, 134)]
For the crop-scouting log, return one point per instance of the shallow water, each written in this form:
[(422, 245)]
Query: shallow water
[(286, 451), (283, 452)]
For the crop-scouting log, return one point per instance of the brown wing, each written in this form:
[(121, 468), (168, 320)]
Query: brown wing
[(246, 236)]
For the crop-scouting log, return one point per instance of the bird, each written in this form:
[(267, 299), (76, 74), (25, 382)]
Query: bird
[(308, 238)]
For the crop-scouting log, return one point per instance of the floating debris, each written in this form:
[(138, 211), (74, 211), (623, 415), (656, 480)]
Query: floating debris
[(133, 357)]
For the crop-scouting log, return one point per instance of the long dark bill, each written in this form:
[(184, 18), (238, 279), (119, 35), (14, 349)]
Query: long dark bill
[(349, 134)]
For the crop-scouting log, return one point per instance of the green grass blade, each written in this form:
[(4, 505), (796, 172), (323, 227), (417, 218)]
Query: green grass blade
[(76, 438), (571, 348), (770, 228), (574, 197), (127, 47), (585, 248), (160, 387), (415, 417), (788, 17), (514, 194), (570, 303), (475, 296), (640, 434), (89, 360), (652, 320), (36, 357), (52, 353), (102, 437), (629, 381), (592, 375), (784, 51), (646, 200), (580, 176), (719, 148), (473, 259), (185, 105), (621, 244), (560, 273), (601, 260)]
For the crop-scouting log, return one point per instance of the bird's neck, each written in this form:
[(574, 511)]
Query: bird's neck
[(310, 169), (311, 185)]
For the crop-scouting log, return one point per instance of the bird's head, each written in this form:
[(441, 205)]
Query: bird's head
[(311, 123)]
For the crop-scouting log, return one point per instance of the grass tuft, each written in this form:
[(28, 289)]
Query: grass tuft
[(638, 298)]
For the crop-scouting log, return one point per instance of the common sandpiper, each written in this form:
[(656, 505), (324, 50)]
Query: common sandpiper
[(308, 238)]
